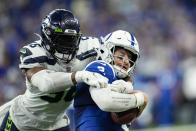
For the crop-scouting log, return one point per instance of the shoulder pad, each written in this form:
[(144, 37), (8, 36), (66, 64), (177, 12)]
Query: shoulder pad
[(34, 55), (88, 48), (34, 49), (90, 42)]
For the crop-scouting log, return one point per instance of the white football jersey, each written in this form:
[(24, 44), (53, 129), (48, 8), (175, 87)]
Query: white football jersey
[(36, 110)]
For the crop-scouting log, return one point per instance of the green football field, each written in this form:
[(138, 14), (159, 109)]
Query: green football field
[(171, 128)]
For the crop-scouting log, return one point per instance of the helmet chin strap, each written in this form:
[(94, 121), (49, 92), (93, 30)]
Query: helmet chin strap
[(63, 57), (120, 72)]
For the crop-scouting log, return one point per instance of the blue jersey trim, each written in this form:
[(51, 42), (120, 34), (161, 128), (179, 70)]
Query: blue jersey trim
[(40, 59), (87, 54), (100, 41)]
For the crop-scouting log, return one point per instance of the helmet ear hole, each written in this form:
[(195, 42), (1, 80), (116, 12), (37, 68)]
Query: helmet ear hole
[(134, 57), (102, 51)]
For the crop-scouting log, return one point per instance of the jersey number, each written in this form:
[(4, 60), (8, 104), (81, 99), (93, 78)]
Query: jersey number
[(56, 97)]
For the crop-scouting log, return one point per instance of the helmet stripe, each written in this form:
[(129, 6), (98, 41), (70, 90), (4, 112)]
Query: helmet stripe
[(132, 39), (109, 36)]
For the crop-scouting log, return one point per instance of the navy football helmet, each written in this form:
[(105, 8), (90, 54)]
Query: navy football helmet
[(60, 31)]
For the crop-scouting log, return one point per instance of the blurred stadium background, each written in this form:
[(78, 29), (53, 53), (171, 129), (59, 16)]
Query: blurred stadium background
[(165, 30)]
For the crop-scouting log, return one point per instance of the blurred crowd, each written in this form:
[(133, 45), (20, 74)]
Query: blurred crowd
[(165, 30)]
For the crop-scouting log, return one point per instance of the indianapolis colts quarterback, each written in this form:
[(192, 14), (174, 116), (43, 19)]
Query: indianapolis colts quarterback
[(52, 66), (92, 106)]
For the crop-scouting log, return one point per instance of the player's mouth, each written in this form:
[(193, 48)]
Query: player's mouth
[(124, 68)]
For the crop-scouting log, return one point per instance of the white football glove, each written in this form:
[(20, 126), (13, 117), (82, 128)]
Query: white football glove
[(121, 86), (92, 79)]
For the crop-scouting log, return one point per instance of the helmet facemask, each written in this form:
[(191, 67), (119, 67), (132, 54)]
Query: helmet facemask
[(120, 70), (66, 46)]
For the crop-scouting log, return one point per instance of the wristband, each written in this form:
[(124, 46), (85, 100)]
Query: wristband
[(139, 99), (73, 78)]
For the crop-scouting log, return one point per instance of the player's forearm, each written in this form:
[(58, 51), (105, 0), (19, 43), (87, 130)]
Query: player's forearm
[(111, 101), (50, 81)]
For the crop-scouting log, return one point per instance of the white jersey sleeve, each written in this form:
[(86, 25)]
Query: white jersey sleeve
[(34, 55)]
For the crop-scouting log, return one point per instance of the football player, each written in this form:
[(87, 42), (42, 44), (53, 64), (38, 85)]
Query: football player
[(93, 106), (52, 66)]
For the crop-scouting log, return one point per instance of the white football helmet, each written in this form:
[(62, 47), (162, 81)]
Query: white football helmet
[(124, 40)]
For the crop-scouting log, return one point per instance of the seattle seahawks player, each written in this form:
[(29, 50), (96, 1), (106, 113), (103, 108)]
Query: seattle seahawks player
[(92, 106), (52, 67)]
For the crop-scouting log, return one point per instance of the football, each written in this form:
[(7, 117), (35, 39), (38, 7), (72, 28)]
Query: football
[(125, 116)]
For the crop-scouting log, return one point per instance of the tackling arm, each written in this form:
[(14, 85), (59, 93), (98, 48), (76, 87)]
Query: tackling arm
[(50, 81)]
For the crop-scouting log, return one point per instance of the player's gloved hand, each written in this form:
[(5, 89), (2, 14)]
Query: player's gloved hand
[(91, 78), (121, 86)]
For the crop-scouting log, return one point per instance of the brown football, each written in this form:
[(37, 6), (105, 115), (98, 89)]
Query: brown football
[(125, 116)]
